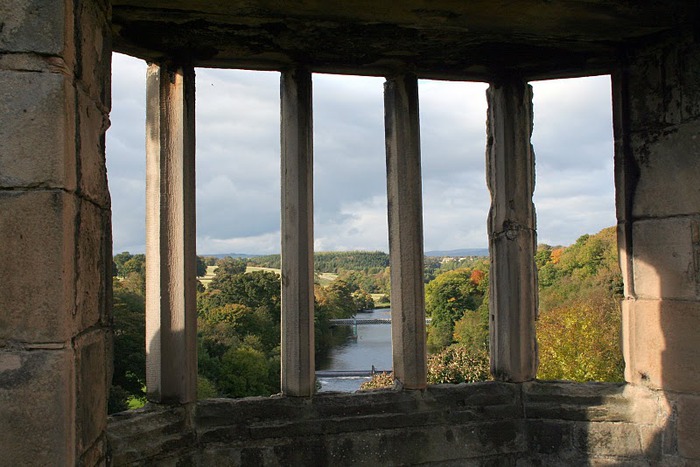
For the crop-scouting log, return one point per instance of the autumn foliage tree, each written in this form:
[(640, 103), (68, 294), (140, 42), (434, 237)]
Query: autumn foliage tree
[(451, 297), (579, 329)]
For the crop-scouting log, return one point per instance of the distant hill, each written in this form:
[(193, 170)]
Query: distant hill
[(335, 261), (462, 252), (376, 259), (232, 255)]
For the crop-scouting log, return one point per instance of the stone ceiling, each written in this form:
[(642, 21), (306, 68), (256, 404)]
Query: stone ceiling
[(477, 39)]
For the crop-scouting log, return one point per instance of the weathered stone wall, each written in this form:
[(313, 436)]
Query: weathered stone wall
[(656, 100), (55, 290), (478, 424), (55, 229), (448, 424)]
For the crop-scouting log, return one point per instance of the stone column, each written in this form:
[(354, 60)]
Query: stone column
[(405, 208), (171, 314), (55, 363), (510, 173), (656, 109), (298, 377)]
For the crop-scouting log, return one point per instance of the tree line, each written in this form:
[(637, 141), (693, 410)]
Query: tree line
[(579, 323), (335, 262), (238, 328), (578, 328)]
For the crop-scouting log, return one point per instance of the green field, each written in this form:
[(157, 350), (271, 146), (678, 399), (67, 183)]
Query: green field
[(260, 268), (206, 279), (325, 278), (378, 302)]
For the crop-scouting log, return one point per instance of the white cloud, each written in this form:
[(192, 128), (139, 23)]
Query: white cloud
[(573, 144), (238, 161)]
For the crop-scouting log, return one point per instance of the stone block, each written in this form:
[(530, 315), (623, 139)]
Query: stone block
[(226, 456), (91, 282), (212, 413), (33, 26), (95, 47), (688, 430), (359, 404), (311, 451), (668, 171), (36, 407), (95, 454), (663, 86), (93, 169), (661, 339), (37, 131), (689, 67), (23, 62), (92, 388), (550, 437), (478, 395), (576, 401), (648, 407), (37, 298), (654, 87), (666, 260), (617, 439)]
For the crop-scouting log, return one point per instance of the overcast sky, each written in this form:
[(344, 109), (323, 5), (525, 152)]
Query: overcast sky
[(238, 207)]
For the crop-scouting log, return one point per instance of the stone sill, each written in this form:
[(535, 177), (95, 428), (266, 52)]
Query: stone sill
[(444, 423)]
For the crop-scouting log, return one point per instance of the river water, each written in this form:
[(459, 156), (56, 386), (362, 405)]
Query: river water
[(371, 348)]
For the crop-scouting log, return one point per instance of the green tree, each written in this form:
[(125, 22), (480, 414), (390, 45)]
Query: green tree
[(255, 289), (336, 300), (119, 260), (362, 300), (578, 330), (580, 343), (229, 265), (129, 375), (245, 373), (448, 297), (135, 264), (472, 329), (201, 267), (239, 333)]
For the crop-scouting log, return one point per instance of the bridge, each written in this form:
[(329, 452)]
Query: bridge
[(358, 322)]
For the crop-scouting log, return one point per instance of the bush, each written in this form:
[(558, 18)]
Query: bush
[(456, 364), (379, 381), (459, 364)]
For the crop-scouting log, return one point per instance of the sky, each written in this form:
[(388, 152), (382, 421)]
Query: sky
[(238, 162)]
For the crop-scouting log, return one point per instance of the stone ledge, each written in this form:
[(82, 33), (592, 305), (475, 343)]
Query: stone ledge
[(539, 422), (559, 400), (147, 434)]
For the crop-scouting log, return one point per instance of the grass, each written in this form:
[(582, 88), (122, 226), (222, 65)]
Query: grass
[(206, 279), (325, 278), (378, 302), (260, 268)]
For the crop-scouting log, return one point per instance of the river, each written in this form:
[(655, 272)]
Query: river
[(371, 348)]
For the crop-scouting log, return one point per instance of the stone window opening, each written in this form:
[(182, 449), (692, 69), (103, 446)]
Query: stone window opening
[(54, 367), (456, 198), (580, 176), (170, 229)]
